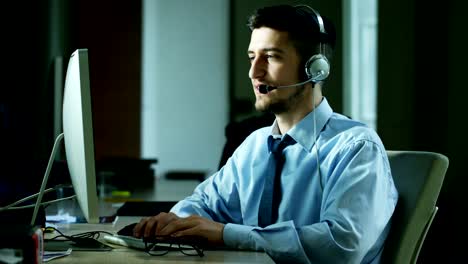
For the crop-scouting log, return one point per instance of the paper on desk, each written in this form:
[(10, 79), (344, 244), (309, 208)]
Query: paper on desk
[(62, 218), (9, 256), (50, 255)]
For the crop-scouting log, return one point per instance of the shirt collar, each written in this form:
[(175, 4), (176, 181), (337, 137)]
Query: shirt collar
[(303, 130)]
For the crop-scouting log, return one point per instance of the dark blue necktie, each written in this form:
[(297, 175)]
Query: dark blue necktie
[(271, 197)]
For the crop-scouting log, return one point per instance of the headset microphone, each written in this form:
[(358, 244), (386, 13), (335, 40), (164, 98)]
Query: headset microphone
[(264, 89)]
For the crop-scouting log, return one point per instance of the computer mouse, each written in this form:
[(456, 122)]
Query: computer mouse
[(127, 230)]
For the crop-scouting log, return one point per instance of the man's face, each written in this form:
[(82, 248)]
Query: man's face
[(274, 61)]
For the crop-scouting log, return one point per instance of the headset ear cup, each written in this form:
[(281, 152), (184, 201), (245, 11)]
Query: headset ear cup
[(317, 68)]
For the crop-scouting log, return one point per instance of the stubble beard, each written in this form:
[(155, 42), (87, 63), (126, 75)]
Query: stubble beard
[(281, 106)]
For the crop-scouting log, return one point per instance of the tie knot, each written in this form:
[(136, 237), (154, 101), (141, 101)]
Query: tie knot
[(277, 144)]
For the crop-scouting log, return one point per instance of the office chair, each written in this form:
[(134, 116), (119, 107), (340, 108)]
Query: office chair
[(418, 177)]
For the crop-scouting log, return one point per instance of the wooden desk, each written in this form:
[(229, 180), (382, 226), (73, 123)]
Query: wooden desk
[(134, 257), (127, 255)]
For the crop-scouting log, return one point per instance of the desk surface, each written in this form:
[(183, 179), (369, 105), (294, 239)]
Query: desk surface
[(133, 256), (127, 255)]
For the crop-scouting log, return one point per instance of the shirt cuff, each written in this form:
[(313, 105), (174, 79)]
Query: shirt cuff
[(237, 236)]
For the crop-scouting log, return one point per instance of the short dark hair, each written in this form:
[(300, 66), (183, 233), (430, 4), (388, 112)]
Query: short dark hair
[(301, 24)]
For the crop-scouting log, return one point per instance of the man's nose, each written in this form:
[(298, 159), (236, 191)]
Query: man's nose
[(257, 69)]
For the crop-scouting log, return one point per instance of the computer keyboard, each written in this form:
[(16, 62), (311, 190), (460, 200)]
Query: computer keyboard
[(124, 237), (126, 241)]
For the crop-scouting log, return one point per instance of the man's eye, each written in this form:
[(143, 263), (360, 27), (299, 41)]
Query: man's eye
[(271, 56)]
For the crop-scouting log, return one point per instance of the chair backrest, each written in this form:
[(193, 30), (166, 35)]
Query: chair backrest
[(418, 177)]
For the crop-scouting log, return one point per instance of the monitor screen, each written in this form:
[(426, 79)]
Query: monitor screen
[(78, 134)]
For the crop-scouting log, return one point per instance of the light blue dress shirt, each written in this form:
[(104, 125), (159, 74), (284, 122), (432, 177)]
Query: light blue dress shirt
[(337, 213)]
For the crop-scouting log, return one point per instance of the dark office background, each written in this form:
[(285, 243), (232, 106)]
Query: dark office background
[(422, 102), (421, 87)]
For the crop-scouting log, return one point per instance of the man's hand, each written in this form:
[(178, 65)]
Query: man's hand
[(151, 226), (170, 224)]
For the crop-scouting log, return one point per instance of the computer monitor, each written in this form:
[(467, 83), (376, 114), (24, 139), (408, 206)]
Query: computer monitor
[(79, 142), (78, 134)]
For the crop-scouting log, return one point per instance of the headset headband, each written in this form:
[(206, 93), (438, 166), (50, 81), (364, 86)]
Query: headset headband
[(319, 17), (323, 36)]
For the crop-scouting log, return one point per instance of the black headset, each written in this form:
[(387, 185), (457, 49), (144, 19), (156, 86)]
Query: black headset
[(317, 67)]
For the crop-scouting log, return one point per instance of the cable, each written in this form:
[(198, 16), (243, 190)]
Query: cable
[(24, 200), (76, 237), (12, 205), (44, 203), (315, 142)]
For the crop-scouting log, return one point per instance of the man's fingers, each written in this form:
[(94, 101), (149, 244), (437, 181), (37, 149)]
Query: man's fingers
[(139, 227), (152, 226), (164, 221), (178, 225), (170, 224), (146, 226)]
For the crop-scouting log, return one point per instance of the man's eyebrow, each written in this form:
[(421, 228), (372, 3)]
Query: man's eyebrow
[(269, 49)]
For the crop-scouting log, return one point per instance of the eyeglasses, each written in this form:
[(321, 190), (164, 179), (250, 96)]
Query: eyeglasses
[(161, 245)]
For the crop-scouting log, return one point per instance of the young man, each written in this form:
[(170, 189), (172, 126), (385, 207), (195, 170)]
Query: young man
[(334, 195)]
